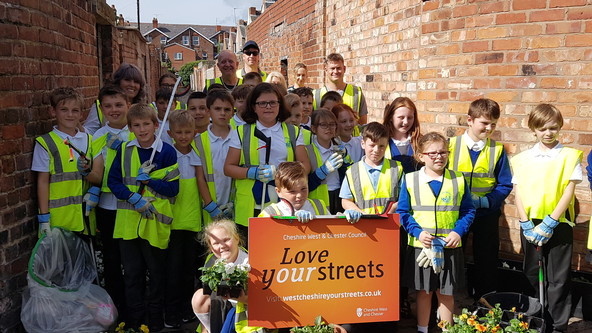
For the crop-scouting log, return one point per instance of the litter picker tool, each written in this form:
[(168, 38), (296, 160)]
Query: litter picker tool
[(259, 135), (539, 250)]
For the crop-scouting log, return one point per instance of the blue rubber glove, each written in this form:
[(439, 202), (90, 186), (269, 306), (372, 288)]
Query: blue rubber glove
[(44, 226), (91, 199), (266, 173), (142, 205), (83, 165), (213, 209), (480, 202), (142, 177), (332, 163), (544, 230), (303, 216), (527, 227), (352, 215), (113, 141), (252, 172), (438, 250)]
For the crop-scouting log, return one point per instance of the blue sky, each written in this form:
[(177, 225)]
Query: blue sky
[(208, 12)]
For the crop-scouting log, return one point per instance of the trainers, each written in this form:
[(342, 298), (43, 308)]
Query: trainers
[(188, 318), (168, 323)]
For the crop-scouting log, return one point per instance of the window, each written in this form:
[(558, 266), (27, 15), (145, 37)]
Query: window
[(204, 55), (185, 40), (149, 39), (178, 56), (195, 40), (162, 40)]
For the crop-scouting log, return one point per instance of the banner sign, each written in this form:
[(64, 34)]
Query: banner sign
[(347, 273)]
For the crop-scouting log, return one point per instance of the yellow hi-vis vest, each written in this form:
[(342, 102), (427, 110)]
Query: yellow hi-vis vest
[(100, 113), (66, 185), (240, 73), (98, 145), (202, 147), (436, 215), (241, 324), (322, 191), (307, 136), (481, 176), (129, 224), (218, 80), (244, 205), (542, 185), (364, 195), (187, 212), (178, 106), (319, 207), (352, 96)]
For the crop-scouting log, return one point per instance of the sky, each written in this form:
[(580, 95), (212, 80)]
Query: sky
[(208, 12)]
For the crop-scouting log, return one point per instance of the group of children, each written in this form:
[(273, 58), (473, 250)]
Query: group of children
[(255, 152)]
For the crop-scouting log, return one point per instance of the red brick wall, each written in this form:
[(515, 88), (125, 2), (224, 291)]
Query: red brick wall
[(445, 53), (42, 46)]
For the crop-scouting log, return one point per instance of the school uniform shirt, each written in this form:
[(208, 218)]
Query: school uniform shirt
[(107, 200), (238, 121), (41, 158), (187, 163), (537, 155), (165, 137), (402, 145), (332, 179), (219, 149), (354, 148), (92, 122), (373, 172), (307, 125), (466, 210)]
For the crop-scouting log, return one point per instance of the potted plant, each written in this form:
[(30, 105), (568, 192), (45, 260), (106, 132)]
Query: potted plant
[(226, 279), (319, 327), (489, 321)]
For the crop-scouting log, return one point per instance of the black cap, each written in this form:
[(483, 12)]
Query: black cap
[(251, 44)]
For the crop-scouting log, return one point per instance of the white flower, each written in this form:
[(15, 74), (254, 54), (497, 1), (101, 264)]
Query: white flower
[(229, 268)]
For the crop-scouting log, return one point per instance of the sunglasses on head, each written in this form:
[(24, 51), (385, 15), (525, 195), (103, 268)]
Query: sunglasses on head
[(251, 53)]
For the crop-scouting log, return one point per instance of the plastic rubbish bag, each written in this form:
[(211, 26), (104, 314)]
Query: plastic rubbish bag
[(60, 296)]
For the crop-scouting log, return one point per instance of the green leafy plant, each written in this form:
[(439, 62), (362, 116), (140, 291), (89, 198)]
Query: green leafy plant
[(186, 70), (223, 273), (319, 327), (491, 322)]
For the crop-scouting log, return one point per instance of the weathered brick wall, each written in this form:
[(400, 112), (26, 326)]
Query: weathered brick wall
[(445, 53), (43, 45)]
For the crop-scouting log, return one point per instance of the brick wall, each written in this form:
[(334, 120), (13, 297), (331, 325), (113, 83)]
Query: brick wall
[(43, 45), (445, 53)]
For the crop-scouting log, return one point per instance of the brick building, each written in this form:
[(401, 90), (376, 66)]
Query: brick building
[(443, 54), (45, 45)]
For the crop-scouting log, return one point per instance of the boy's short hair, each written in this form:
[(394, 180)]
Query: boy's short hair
[(180, 118), (543, 114), (166, 75), (298, 66), (241, 92), (484, 107), (375, 131), (163, 93), (111, 90), (289, 173), (215, 86), (331, 96), (196, 95), (59, 95), (141, 111), (218, 94), (303, 92), (292, 100), (253, 76), (334, 57)]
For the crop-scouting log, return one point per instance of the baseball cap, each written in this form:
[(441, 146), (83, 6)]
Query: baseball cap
[(251, 44)]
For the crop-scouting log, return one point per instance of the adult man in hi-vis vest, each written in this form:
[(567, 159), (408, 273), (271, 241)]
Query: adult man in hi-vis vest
[(227, 64), (352, 95)]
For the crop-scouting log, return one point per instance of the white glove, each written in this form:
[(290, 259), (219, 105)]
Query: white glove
[(424, 260), (147, 167)]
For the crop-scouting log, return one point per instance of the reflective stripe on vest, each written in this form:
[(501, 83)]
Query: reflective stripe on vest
[(129, 224), (317, 205), (202, 147), (244, 205), (99, 143), (436, 215), (218, 80), (241, 323), (363, 192), (542, 185), (100, 113), (66, 185), (322, 191), (352, 96), (240, 73), (481, 176)]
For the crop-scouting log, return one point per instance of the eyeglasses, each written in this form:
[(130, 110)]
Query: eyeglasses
[(268, 104), (251, 53), (434, 154), (326, 126)]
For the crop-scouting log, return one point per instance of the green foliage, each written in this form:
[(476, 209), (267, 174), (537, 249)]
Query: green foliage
[(230, 274), (186, 71), (469, 322), (319, 327)]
